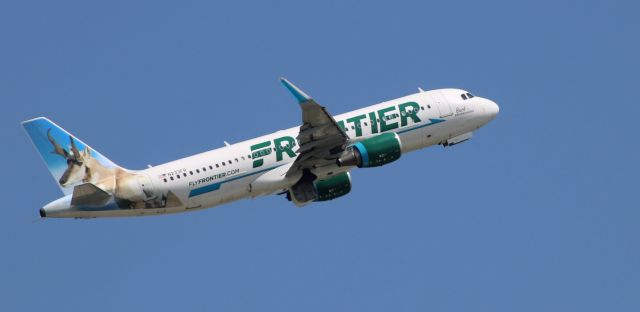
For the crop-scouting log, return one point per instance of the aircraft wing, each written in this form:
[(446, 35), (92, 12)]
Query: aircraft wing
[(320, 140)]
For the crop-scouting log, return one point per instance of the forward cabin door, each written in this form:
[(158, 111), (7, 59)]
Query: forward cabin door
[(443, 106)]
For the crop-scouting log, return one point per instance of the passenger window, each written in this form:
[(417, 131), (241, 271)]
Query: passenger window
[(165, 180), (191, 172), (236, 159), (171, 178), (210, 167), (178, 176), (223, 163), (249, 156), (185, 174), (197, 170), (217, 166), (429, 106), (204, 169)]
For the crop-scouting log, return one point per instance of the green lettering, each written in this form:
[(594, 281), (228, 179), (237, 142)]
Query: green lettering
[(258, 151), (287, 148), (356, 121), (384, 126), (341, 125), (374, 122), (409, 113)]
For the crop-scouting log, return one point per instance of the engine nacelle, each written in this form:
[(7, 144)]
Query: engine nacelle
[(333, 187), (372, 152), (308, 189)]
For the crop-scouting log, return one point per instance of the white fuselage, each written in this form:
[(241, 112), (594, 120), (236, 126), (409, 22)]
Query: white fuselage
[(236, 171)]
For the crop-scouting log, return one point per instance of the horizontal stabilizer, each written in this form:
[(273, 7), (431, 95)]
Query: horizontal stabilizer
[(88, 194)]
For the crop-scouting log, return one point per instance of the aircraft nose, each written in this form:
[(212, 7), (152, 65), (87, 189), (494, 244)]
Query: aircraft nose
[(491, 109)]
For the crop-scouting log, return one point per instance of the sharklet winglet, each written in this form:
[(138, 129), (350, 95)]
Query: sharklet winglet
[(297, 93)]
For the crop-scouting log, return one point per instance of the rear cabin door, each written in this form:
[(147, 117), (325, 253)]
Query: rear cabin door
[(443, 106)]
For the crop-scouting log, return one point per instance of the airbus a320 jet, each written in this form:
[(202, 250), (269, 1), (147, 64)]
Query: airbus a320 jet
[(308, 163)]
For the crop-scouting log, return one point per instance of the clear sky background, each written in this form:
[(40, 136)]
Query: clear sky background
[(538, 212)]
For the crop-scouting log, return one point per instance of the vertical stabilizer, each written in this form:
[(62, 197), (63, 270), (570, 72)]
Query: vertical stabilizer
[(70, 161)]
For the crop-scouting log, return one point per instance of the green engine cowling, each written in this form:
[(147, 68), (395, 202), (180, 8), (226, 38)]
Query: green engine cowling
[(333, 187), (372, 152)]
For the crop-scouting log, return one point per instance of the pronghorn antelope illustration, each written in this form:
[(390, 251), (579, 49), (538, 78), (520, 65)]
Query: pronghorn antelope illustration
[(82, 167)]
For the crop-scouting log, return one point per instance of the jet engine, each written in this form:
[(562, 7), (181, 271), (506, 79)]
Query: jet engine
[(329, 188), (372, 152)]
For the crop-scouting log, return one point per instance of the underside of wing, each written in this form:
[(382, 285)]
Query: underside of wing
[(320, 139)]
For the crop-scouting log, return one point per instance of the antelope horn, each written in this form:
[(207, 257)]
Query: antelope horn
[(74, 149), (57, 149)]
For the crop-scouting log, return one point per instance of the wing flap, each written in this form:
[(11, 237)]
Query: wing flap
[(320, 138)]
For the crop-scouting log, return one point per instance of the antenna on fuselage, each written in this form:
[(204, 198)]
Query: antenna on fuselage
[(420, 89), (226, 143)]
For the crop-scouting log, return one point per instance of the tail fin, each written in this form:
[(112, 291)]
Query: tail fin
[(70, 161)]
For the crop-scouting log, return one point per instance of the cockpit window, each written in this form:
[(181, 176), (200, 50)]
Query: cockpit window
[(464, 97), (470, 95)]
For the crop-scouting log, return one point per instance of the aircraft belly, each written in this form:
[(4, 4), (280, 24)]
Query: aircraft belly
[(412, 140), (82, 214)]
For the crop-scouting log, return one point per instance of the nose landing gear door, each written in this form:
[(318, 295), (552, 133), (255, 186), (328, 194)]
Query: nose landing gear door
[(443, 106)]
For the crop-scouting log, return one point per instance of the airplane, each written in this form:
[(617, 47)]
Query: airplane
[(308, 163)]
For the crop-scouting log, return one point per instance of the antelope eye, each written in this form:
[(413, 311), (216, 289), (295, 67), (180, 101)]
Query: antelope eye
[(72, 162)]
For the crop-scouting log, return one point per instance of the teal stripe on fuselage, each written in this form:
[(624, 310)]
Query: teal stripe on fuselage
[(205, 189), (216, 186), (433, 122)]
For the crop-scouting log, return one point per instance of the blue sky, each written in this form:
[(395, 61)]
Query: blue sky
[(538, 212)]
